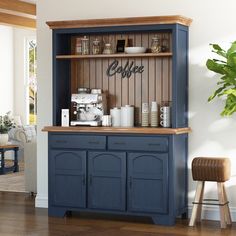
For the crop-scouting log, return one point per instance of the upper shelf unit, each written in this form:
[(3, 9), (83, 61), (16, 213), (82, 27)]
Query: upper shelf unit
[(121, 55), (164, 76)]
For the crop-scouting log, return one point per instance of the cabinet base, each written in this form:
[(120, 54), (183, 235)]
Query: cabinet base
[(163, 220), (158, 219), (56, 212)]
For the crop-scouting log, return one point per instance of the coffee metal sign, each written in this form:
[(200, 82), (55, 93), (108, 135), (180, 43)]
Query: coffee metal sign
[(126, 71)]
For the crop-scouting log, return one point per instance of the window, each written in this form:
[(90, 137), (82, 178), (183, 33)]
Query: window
[(31, 90)]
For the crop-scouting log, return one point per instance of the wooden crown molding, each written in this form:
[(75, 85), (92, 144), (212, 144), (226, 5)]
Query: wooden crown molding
[(18, 6), (19, 21), (18, 13), (150, 20)]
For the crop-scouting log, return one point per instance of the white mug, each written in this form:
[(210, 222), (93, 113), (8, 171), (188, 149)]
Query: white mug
[(165, 116), (165, 123), (165, 109)]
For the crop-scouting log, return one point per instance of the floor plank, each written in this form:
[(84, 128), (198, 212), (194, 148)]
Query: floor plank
[(18, 217)]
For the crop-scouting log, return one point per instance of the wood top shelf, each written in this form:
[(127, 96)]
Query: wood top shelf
[(117, 130), (149, 20), (121, 55)]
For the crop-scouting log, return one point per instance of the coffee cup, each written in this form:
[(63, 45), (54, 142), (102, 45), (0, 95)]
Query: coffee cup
[(165, 116), (165, 109), (165, 123)]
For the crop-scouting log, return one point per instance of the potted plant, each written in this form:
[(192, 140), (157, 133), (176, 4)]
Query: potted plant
[(6, 123), (225, 66)]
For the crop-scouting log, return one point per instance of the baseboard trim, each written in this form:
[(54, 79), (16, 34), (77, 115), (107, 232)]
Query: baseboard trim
[(213, 213), (41, 201)]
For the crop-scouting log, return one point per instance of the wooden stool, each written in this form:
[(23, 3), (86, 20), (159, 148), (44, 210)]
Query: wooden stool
[(211, 169)]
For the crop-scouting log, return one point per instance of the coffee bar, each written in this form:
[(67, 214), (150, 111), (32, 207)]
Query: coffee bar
[(119, 139)]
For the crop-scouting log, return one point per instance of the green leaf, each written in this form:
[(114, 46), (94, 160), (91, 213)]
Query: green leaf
[(217, 92), (231, 61), (232, 49), (216, 47), (214, 66), (231, 91), (228, 71), (230, 106), (218, 50)]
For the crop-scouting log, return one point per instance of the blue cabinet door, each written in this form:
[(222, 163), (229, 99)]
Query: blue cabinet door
[(67, 178), (107, 180), (147, 182)]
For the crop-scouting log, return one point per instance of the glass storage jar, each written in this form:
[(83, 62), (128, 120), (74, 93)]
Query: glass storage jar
[(85, 45), (155, 46), (107, 48), (96, 47)]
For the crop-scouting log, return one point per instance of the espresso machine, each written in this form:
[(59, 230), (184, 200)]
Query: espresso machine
[(89, 107)]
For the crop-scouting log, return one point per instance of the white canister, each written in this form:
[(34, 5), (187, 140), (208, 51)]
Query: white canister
[(115, 116), (106, 120), (127, 116)]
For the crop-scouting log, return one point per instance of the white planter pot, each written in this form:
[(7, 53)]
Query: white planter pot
[(3, 139)]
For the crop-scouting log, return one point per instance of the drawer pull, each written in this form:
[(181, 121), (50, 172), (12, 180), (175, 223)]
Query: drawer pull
[(154, 144), (94, 142), (119, 143)]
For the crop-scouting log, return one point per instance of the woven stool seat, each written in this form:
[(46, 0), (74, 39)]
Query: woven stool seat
[(211, 169)]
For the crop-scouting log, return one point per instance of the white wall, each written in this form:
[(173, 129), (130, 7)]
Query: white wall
[(20, 37), (212, 22), (6, 69)]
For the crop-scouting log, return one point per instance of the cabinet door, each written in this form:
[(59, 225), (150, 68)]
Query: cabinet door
[(107, 180), (147, 182), (67, 183)]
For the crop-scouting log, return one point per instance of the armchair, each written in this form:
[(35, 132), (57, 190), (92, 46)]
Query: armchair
[(25, 137)]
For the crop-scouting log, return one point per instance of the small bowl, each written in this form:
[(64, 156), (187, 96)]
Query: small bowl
[(133, 50)]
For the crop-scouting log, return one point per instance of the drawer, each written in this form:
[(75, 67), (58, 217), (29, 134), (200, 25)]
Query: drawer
[(77, 141), (159, 144)]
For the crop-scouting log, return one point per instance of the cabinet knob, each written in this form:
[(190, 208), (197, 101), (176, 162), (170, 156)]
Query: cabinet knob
[(84, 179)]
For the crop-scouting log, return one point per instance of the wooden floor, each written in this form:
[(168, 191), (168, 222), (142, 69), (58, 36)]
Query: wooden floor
[(18, 217)]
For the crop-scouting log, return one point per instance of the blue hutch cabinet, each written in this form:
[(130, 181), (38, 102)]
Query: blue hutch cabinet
[(130, 171)]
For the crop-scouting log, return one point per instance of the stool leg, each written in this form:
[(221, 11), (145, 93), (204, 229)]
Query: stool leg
[(227, 212), (199, 210), (221, 201), (196, 206)]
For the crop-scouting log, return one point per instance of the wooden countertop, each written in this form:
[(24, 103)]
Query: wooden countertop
[(148, 20), (117, 130)]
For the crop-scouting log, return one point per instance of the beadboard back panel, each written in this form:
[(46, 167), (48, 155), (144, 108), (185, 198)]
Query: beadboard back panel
[(154, 84)]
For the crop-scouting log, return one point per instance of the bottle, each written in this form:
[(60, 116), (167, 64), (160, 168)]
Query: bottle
[(78, 46), (85, 45), (155, 46)]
